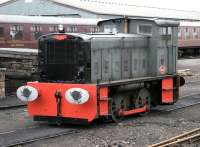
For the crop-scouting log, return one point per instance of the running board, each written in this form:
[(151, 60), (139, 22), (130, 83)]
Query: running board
[(134, 111)]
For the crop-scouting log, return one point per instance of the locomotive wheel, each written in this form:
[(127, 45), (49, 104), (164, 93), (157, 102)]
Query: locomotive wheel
[(117, 105), (144, 98)]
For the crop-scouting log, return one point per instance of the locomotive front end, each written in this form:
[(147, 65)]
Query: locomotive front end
[(60, 103), (59, 96)]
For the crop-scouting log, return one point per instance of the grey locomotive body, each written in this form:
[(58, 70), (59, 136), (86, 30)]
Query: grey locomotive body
[(149, 50), (118, 57)]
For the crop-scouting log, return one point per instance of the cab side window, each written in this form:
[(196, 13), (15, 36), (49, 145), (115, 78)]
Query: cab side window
[(145, 29)]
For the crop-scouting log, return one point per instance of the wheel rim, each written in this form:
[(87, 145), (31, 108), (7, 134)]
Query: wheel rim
[(115, 111), (145, 96)]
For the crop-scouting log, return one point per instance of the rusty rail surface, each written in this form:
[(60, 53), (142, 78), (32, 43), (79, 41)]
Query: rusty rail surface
[(188, 137)]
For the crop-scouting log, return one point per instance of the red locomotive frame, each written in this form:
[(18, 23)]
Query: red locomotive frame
[(98, 105)]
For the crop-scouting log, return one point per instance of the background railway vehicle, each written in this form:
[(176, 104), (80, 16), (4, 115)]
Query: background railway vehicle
[(89, 76), (23, 31), (189, 39)]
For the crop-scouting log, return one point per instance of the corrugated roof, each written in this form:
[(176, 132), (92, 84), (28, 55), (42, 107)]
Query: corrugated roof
[(126, 8), (4, 1), (47, 20)]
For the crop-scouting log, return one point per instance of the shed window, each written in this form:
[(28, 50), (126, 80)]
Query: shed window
[(36, 31), (145, 29), (16, 32), (1, 32)]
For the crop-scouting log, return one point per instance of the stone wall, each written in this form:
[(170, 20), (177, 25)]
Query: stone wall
[(21, 66)]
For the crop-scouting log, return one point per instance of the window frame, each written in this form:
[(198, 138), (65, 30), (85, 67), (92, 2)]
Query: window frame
[(17, 28), (142, 33), (53, 28), (36, 28), (2, 32)]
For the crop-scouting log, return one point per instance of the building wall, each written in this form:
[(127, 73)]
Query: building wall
[(20, 68), (41, 7)]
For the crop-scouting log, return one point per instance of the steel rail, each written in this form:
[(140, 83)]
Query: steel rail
[(191, 82), (28, 141), (185, 137), (40, 138), (12, 107)]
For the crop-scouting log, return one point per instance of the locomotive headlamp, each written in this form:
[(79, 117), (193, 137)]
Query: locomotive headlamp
[(27, 93), (77, 96), (61, 28)]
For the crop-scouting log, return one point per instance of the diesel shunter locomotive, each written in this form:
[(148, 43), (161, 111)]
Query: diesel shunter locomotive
[(125, 70)]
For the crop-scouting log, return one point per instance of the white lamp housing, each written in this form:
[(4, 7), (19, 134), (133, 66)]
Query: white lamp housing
[(27, 93), (77, 95), (60, 27)]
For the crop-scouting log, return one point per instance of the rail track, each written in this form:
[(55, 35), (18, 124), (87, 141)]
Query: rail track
[(192, 82), (11, 102), (192, 79), (185, 138), (12, 106), (25, 136)]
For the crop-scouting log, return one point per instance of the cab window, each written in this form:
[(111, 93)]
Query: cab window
[(110, 29), (145, 29)]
